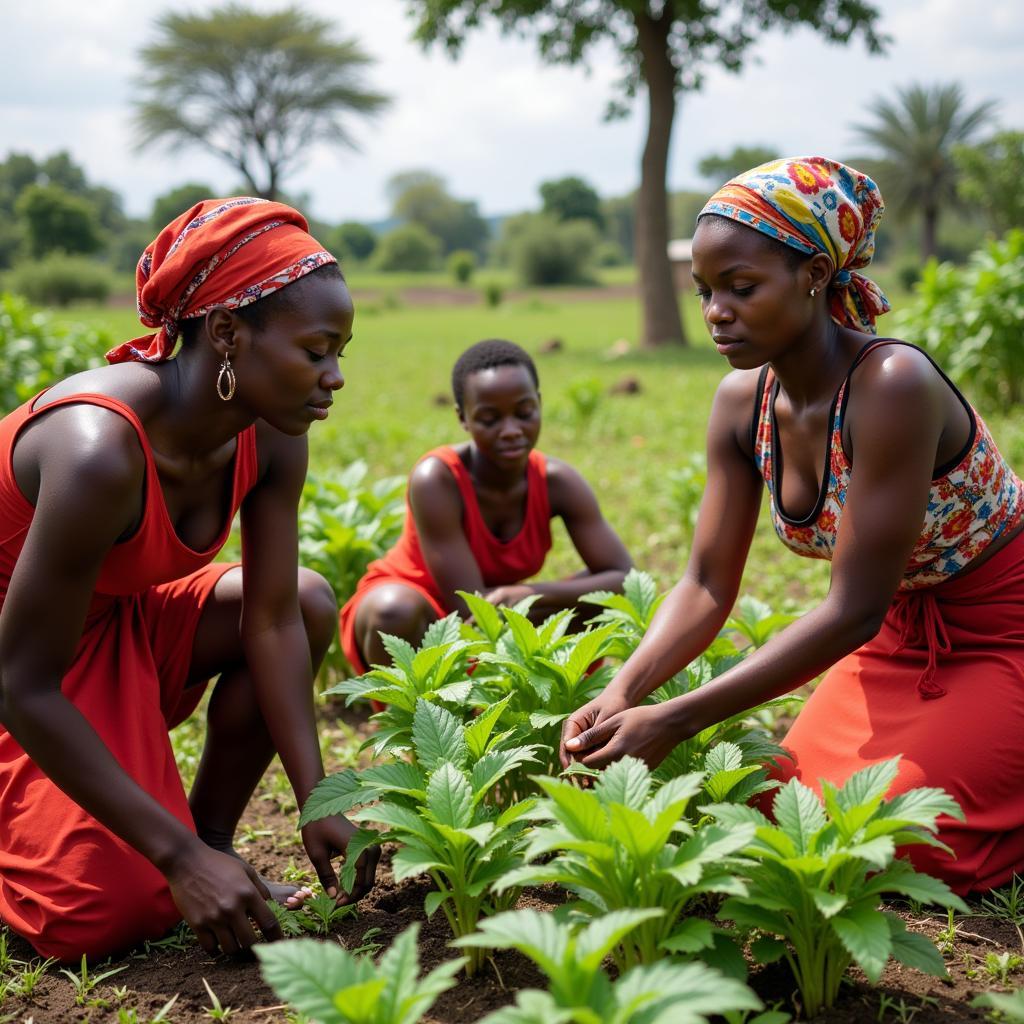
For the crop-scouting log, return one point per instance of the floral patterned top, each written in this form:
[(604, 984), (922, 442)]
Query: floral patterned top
[(974, 498)]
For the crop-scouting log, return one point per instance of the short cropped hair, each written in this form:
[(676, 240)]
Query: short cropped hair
[(259, 313), (487, 355)]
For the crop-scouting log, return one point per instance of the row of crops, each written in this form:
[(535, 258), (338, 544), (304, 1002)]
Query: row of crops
[(674, 883)]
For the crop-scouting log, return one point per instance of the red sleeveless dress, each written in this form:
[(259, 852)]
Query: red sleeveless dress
[(67, 884), (942, 683), (500, 562)]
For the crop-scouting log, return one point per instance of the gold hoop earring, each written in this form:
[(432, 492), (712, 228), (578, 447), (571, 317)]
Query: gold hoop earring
[(227, 374), (814, 291)]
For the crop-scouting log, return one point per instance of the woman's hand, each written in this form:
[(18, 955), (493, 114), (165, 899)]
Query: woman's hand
[(604, 706), (510, 595), (219, 897), (328, 838), (646, 732)]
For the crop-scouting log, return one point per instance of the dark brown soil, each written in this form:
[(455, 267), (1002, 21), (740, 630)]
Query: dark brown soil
[(152, 977)]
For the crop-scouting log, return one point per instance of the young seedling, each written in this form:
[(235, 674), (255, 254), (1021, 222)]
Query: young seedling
[(437, 809), (28, 975), (570, 955), (130, 1015), (1005, 1007), (332, 986), (367, 943), (624, 845), (819, 874), (216, 1011), (84, 982), (1007, 904), (999, 966), (320, 913)]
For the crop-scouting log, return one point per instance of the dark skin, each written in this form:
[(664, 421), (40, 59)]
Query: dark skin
[(902, 421), (501, 412), (264, 629)]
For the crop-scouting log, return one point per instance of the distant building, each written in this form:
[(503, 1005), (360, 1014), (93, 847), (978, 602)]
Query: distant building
[(680, 255)]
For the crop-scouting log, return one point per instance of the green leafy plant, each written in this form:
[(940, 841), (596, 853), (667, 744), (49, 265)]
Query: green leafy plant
[(969, 319), (570, 955), (437, 810), (332, 986), (84, 982), (999, 966), (130, 1015), (436, 671), (1004, 1006), (755, 621), (216, 1010), (686, 486), (820, 871), (631, 611), (625, 845), (320, 913)]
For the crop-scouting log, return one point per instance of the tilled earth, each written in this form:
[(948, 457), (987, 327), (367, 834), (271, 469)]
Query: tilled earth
[(155, 975)]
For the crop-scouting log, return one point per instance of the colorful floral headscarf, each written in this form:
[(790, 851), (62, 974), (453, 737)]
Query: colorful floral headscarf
[(222, 252), (815, 205)]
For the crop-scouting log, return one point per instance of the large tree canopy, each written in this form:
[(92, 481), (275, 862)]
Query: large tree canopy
[(421, 197), (254, 88), (664, 46)]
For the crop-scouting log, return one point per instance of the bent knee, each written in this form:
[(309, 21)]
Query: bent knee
[(319, 609), (397, 610)]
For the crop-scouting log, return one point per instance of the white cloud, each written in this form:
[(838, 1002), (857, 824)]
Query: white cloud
[(497, 121)]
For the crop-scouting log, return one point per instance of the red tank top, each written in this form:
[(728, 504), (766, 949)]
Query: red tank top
[(153, 553), (501, 562)]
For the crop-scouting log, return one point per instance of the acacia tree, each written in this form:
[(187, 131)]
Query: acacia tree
[(665, 47), (253, 88), (916, 136)]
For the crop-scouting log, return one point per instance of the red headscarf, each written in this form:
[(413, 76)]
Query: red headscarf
[(222, 252)]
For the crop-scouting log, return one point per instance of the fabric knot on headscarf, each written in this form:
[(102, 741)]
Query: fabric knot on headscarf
[(222, 252), (815, 205)]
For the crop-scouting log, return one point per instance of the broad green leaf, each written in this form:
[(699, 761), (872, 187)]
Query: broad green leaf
[(1010, 1005), (682, 994), (449, 797), (442, 632), (484, 614), (921, 806), (799, 813), (721, 784), (598, 938), (395, 777), (869, 785), (691, 936), (828, 903), (543, 719), (523, 632), (443, 977), (902, 878), (479, 731), (307, 973), (454, 693), (434, 901), (412, 859), (723, 757), (750, 915), (767, 949), (676, 790), (336, 794), (401, 653), (865, 934), (534, 934), (427, 659), (496, 764), (626, 782), (877, 852), (437, 736), (360, 840), (730, 815), (399, 968), (915, 950), (635, 833), (532, 1007), (579, 810), (399, 819), (358, 1003)]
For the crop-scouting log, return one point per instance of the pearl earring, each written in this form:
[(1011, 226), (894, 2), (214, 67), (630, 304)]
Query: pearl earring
[(814, 291)]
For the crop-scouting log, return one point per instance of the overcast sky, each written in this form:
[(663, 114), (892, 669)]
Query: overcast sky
[(497, 122)]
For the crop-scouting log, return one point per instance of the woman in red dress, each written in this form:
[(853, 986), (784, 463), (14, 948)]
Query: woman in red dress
[(478, 516), (891, 475), (117, 489)]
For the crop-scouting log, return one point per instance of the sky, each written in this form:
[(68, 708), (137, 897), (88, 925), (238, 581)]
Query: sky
[(497, 122)]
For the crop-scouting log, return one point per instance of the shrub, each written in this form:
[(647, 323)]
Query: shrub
[(34, 353), (970, 318), (545, 251), (461, 265), (611, 254), (353, 239), (408, 247), (493, 294), (59, 279)]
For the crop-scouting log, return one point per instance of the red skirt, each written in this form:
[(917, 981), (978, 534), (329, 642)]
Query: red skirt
[(942, 685), (68, 884)]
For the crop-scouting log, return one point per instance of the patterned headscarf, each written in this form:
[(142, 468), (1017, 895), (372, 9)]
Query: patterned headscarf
[(815, 205), (222, 252)]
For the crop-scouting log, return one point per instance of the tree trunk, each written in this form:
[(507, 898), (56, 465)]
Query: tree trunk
[(929, 229), (662, 324)]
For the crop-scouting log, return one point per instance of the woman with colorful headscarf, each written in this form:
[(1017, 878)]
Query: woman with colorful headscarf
[(118, 487), (876, 462)]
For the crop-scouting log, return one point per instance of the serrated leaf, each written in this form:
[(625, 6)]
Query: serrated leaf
[(915, 950), (395, 777), (690, 936), (640, 591), (484, 614), (534, 934), (437, 735), (523, 632), (864, 933), (828, 903), (335, 794), (479, 731), (401, 653), (442, 632), (723, 757), (799, 813), (495, 765), (869, 785), (307, 974), (449, 797), (598, 938), (411, 859), (626, 781)]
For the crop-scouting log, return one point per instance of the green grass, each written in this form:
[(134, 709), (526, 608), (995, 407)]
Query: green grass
[(396, 405)]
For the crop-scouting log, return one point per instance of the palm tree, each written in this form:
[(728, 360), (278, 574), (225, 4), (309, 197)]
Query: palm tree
[(255, 88), (915, 137)]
